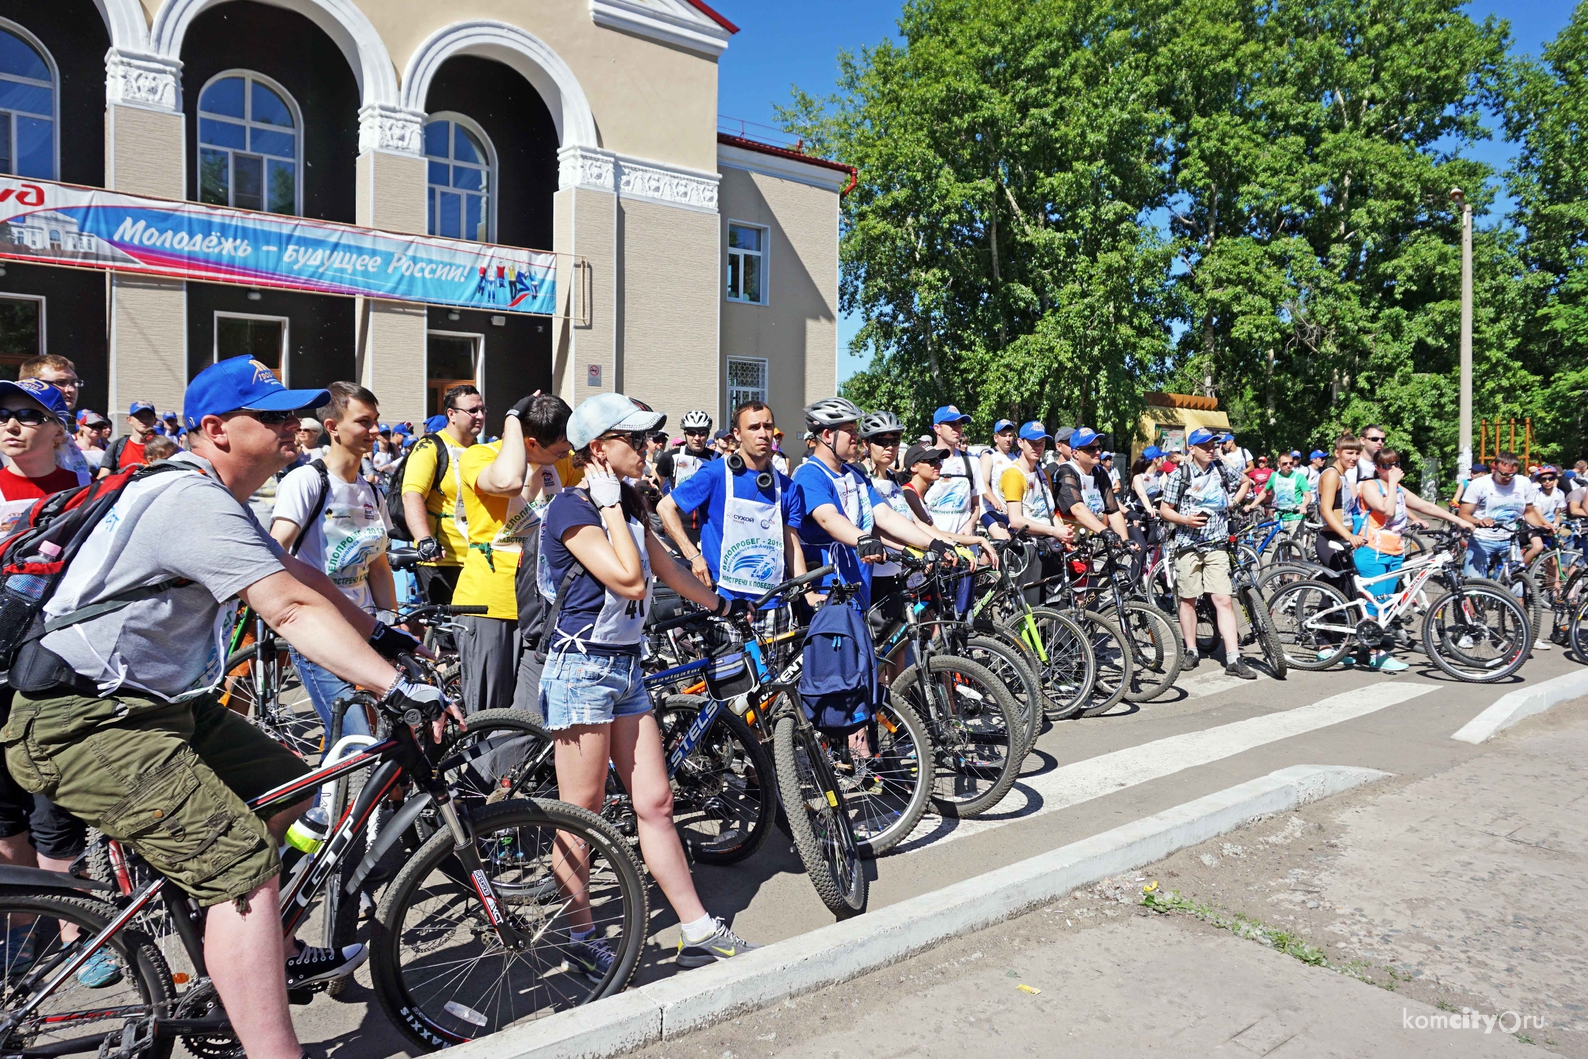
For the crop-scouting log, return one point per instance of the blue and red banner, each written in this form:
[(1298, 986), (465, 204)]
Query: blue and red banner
[(46, 223)]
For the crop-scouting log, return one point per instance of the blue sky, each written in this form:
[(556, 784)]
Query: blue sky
[(796, 42)]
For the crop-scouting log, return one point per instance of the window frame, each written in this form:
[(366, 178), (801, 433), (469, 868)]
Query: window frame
[(286, 336), (42, 302), (765, 254), (727, 376), (55, 98), (492, 173), (479, 355), (249, 123)]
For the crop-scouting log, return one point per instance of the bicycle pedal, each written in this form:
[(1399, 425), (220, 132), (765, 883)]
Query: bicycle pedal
[(303, 995)]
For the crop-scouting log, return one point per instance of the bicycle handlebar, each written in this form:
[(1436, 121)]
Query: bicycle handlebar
[(445, 610), (695, 617)]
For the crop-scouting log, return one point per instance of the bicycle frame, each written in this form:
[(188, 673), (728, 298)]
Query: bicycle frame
[(1419, 571)]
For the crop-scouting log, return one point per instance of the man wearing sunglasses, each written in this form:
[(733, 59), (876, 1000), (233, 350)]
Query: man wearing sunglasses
[(1086, 493), (955, 499), (1501, 504), (432, 494)]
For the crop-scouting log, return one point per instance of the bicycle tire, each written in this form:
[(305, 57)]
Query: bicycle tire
[(1521, 585), (1066, 663), (974, 761), (745, 776), (146, 982), (1263, 630), (822, 836), (403, 984), (295, 724), (1290, 607), (1577, 633), (1157, 650), (1009, 665), (1449, 653), (1113, 659), (883, 812)]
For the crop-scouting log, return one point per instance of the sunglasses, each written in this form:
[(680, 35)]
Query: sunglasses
[(1093, 449), (1542, 477), (271, 419), (28, 417), (635, 438), (696, 433), (480, 411), (929, 463), (886, 439), (1377, 439)]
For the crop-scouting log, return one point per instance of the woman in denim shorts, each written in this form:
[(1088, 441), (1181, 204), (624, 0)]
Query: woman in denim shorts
[(595, 563)]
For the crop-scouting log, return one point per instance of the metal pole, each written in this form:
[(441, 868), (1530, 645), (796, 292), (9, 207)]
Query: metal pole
[(1465, 437)]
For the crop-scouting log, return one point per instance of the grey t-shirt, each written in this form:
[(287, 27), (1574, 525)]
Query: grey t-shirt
[(178, 524)]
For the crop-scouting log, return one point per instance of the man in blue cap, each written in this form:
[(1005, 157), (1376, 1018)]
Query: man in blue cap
[(1197, 499), (1024, 488), (121, 703), (127, 451), (1086, 497), (954, 500), (993, 464)]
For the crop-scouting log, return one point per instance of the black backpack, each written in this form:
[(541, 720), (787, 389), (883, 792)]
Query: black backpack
[(319, 506), (395, 515)]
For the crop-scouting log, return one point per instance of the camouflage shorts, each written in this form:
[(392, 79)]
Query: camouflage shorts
[(170, 779)]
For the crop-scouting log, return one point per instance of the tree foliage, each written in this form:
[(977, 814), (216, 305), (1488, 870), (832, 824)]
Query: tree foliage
[(1063, 204)]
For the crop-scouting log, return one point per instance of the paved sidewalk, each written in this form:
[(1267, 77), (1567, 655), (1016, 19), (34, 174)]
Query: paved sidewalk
[(1428, 897)]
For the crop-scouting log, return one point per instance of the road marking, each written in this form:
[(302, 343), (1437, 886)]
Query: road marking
[(1084, 780)]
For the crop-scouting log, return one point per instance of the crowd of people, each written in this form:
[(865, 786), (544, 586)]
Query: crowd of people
[(559, 529)]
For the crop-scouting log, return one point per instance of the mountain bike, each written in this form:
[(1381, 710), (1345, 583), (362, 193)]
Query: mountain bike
[(1156, 644)]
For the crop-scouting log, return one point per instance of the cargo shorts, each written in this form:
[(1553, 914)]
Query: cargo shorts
[(169, 779), (1198, 572)]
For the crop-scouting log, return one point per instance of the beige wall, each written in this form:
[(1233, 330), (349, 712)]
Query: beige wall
[(796, 330), (668, 307)]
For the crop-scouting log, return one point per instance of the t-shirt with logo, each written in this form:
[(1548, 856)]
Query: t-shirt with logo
[(349, 534), (949, 498), (705, 493), (1504, 504), (1290, 494), (1190, 490), (1549, 504), (18, 493), (1075, 486), (447, 522), (1028, 487), (498, 527)]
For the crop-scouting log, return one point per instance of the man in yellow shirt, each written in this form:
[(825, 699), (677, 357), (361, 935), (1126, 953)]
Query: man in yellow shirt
[(506, 486), (432, 503)]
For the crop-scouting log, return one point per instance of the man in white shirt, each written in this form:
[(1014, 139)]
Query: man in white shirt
[(1498, 504), (955, 498), (1236, 458)]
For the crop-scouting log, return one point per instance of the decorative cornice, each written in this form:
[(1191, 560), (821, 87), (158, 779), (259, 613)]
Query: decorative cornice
[(147, 81), (664, 21), (383, 128), (598, 170), (584, 167)]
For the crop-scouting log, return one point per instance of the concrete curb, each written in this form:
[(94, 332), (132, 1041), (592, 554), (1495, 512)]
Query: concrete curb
[(846, 950), (1513, 706)]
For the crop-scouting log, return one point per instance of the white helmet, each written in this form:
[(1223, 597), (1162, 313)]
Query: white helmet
[(883, 422), (696, 420), (828, 413)]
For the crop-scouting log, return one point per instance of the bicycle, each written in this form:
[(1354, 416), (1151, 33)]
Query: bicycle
[(1156, 644), (476, 912)]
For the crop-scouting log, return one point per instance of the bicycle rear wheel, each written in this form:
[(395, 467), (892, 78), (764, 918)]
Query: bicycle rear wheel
[(440, 970), (1157, 650), (1009, 665), (1115, 664), (1292, 608), (1263, 631), (818, 817), (266, 689), (975, 726)]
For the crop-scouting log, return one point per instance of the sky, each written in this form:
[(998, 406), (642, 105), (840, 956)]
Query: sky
[(782, 43)]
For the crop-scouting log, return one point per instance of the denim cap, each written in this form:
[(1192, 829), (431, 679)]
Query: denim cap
[(1034, 431), (40, 393), (1003, 425), (1201, 436), (948, 414), (1083, 437), (607, 411), (436, 423), (1151, 452), (241, 383), (140, 406)]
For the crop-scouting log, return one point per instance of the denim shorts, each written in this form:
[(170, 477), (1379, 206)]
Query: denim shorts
[(578, 688)]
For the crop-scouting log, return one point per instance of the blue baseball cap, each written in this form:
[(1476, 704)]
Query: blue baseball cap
[(1226, 436), (1201, 436), (1035, 431), (140, 406), (948, 414), (237, 384), (435, 423), (607, 411), (1083, 437), (1151, 452), (1003, 425), (41, 393), (1318, 452)]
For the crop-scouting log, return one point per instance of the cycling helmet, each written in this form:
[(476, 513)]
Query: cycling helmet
[(874, 423), (696, 420), (829, 413)]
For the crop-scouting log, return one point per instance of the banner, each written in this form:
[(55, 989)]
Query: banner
[(46, 223)]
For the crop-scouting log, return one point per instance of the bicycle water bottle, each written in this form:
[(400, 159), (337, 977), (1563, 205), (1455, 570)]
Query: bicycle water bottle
[(309, 832)]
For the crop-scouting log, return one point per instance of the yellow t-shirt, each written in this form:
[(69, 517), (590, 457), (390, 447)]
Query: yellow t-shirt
[(497, 525), (447, 516)]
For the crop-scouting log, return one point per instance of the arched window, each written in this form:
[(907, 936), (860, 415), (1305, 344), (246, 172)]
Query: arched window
[(27, 105), (249, 147), (462, 172)]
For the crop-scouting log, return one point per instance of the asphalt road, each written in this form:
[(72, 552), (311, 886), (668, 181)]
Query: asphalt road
[(1086, 777)]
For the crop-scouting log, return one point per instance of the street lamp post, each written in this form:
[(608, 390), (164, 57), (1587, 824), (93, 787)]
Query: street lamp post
[(1464, 438)]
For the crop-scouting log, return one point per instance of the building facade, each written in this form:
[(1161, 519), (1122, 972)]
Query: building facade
[(694, 268)]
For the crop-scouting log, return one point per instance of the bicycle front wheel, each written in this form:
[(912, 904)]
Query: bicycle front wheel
[(1009, 665), (724, 791), (1479, 633), (1115, 664), (1157, 651), (974, 722), (1063, 658), (441, 971), (1263, 630), (819, 819)]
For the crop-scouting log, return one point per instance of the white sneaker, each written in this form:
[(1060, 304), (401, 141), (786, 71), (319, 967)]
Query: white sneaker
[(1543, 645)]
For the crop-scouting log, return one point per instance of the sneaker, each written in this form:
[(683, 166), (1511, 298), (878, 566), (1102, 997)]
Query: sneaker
[(722, 944), (1239, 668), (1543, 645), (592, 957), (1384, 662), (1326, 654), (312, 965), (101, 971), (1192, 660)]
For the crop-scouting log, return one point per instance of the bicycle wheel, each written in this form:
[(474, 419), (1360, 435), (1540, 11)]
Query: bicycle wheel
[(1157, 650), (440, 970), (1521, 585), (974, 722), (1577, 632), (1292, 608), (1263, 632), (887, 794), (1065, 664), (724, 792), (31, 949), (818, 817), (267, 691), (1478, 634), (1009, 665), (1115, 664)]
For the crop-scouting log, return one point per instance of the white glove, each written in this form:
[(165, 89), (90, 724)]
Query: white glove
[(604, 488)]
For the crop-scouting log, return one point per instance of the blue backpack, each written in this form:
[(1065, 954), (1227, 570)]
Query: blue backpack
[(838, 687)]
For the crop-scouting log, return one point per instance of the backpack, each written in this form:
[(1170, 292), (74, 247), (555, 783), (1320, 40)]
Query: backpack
[(112, 458), (395, 516), (319, 506), (34, 558), (838, 682)]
